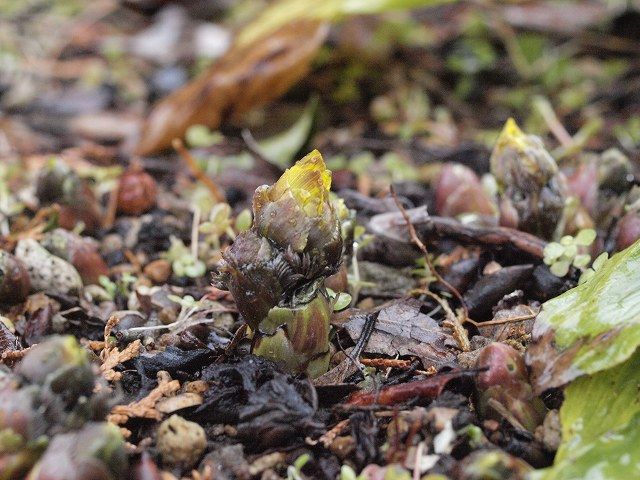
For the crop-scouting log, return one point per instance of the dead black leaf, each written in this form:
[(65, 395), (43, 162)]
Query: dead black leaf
[(271, 408)]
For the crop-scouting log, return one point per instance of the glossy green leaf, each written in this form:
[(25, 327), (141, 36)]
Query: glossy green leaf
[(590, 328), (600, 420), (342, 301)]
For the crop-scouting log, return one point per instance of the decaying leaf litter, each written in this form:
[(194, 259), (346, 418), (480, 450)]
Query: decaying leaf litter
[(421, 289)]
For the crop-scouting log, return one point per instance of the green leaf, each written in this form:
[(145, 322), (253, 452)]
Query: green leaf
[(283, 12), (244, 220), (567, 240), (281, 149), (199, 136), (552, 251), (590, 328), (585, 237), (560, 268), (342, 301), (571, 251), (301, 461), (581, 260), (600, 420), (600, 261)]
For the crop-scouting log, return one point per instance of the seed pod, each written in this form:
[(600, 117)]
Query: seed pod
[(529, 177), (19, 414), (137, 191), (22, 428), (504, 389), (14, 279)]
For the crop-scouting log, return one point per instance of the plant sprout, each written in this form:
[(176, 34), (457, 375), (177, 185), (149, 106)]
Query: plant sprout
[(119, 287), (219, 224), (183, 262), (568, 252)]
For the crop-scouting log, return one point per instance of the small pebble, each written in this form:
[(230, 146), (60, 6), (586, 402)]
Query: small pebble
[(180, 442), (158, 271), (47, 272)]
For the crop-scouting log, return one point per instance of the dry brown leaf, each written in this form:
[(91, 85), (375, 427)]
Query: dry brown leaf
[(247, 76), (146, 408), (402, 329)]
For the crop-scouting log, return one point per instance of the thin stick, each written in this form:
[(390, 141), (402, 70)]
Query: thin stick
[(502, 321), (414, 238), (196, 171), (112, 208), (385, 224), (195, 225), (239, 335), (385, 363)]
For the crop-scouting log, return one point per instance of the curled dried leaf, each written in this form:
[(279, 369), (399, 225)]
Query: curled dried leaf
[(247, 76)]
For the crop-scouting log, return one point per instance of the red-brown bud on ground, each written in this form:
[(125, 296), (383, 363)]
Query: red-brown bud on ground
[(14, 279), (81, 252), (583, 183), (137, 192), (628, 230), (504, 389), (458, 190)]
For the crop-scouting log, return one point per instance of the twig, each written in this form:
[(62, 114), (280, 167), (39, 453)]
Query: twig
[(365, 335), (328, 438), (414, 238), (196, 171), (239, 335), (195, 230), (452, 322), (112, 207), (381, 363), (416, 462), (443, 227), (519, 318), (15, 355)]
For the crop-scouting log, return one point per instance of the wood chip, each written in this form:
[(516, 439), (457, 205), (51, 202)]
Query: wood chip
[(146, 408), (173, 404), (115, 357)]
